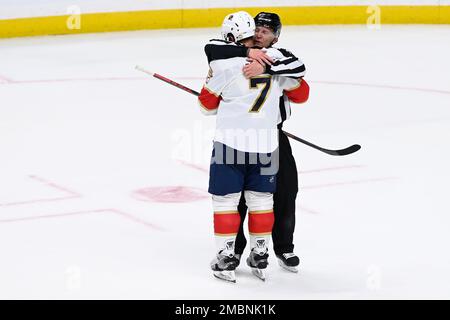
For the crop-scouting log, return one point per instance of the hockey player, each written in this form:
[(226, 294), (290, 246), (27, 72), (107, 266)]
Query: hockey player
[(268, 27), (245, 143)]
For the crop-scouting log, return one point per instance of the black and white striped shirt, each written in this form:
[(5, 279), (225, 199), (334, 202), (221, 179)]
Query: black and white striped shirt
[(289, 66)]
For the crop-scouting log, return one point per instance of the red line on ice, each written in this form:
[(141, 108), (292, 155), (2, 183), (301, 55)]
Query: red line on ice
[(331, 169), (304, 209), (335, 184), (136, 219), (381, 86), (4, 79), (170, 194), (194, 166), (205, 170), (72, 194), (18, 203), (70, 214), (54, 185), (359, 84), (49, 216), (72, 80)]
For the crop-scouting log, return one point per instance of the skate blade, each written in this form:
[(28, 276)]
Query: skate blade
[(288, 268), (259, 273), (225, 275)]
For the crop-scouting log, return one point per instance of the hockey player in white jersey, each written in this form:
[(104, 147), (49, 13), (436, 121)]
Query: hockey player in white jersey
[(244, 153), (267, 33)]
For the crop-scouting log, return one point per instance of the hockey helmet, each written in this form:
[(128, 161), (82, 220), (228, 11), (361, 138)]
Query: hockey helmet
[(238, 26), (269, 20)]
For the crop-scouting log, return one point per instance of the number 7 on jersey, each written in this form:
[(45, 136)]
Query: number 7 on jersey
[(257, 83)]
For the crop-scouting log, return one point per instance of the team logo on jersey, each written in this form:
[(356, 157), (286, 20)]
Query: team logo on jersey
[(272, 179), (209, 76)]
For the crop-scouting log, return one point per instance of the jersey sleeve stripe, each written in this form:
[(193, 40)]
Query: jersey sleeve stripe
[(208, 100), (299, 94)]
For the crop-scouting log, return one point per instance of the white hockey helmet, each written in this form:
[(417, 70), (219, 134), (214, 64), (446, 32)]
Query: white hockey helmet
[(238, 26)]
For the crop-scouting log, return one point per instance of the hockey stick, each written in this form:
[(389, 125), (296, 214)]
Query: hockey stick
[(176, 84), (341, 152)]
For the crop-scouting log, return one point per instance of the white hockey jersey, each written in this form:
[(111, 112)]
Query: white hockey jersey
[(247, 109), (286, 65)]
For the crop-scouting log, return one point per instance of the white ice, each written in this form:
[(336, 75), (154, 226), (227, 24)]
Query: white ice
[(84, 136)]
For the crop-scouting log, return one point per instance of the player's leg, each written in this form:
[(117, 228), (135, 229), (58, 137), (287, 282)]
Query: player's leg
[(225, 184), (260, 224), (259, 186), (284, 207), (226, 226)]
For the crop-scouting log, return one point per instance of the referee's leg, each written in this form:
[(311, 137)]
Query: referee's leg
[(284, 199)]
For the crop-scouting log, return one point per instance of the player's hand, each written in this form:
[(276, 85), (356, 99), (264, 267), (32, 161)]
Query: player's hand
[(253, 69), (260, 56)]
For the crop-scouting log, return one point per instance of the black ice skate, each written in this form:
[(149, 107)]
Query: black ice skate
[(223, 266), (258, 261), (288, 261)]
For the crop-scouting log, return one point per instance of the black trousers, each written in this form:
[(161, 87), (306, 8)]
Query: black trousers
[(284, 203)]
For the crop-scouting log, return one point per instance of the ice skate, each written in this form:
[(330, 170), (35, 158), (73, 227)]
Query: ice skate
[(223, 266), (288, 261), (257, 261)]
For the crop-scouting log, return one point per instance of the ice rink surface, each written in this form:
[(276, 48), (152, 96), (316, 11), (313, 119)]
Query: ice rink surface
[(104, 170)]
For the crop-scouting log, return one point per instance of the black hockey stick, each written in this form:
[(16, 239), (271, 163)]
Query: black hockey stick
[(341, 152)]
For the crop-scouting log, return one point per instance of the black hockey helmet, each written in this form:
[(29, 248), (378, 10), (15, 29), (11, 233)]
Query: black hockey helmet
[(269, 20)]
